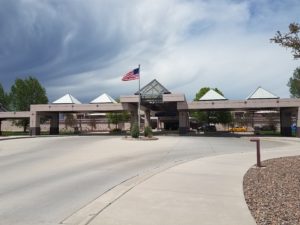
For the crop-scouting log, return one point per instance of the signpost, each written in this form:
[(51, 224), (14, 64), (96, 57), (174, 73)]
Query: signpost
[(257, 140)]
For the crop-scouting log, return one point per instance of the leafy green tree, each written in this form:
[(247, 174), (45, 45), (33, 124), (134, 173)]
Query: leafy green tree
[(24, 93), (4, 97), (201, 92), (289, 40), (203, 117), (294, 84), (224, 117), (204, 90), (116, 118)]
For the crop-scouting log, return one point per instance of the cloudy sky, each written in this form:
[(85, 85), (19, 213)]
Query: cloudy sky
[(83, 47)]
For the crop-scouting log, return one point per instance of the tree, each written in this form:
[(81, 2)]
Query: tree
[(70, 120), (294, 84), (289, 40), (201, 116), (204, 90), (24, 93), (223, 117), (116, 118), (4, 98), (201, 92)]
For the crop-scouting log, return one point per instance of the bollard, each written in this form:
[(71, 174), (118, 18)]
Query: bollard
[(257, 140)]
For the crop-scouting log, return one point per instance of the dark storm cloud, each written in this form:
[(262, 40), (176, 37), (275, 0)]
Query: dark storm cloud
[(55, 38)]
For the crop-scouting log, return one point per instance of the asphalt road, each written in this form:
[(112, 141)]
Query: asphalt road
[(45, 180)]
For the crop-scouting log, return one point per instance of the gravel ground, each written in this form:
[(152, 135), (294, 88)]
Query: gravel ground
[(272, 192)]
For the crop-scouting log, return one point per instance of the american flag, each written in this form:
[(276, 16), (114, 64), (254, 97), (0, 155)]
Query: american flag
[(132, 75)]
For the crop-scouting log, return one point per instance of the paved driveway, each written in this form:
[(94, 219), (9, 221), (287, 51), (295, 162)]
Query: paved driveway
[(45, 180)]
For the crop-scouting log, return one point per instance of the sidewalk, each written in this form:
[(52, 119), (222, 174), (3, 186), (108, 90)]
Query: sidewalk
[(207, 191)]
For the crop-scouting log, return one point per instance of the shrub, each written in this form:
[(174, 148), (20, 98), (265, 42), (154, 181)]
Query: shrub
[(135, 133), (115, 131), (148, 132)]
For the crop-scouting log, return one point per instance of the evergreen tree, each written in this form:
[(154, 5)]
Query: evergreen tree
[(24, 93), (294, 84), (4, 98)]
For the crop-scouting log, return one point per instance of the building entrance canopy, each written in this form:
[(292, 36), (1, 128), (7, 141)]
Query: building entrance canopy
[(153, 92)]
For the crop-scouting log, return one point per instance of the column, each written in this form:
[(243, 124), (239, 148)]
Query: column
[(0, 127), (298, 123), (184, 123), (158, 124), (54, 124), (35, 128), (147, 118), (285, 122), (134, 117)]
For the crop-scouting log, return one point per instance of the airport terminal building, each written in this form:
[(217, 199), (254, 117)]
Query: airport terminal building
[(171, 110)]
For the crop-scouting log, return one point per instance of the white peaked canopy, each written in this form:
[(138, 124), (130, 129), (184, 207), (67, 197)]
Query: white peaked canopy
[(104, 98), (212, 95), (261, 93), (67, 99)]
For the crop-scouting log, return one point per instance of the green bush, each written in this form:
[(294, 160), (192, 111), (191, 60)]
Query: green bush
[(116, 130), (135, 133), (148, 132)]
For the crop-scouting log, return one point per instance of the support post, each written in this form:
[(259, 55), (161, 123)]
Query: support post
[(285, 122), (139, 105), (298, 123), (147, 118), (0, 127), (134, 117), (54, 124), (157, 123), (184, 123), (35, 128)]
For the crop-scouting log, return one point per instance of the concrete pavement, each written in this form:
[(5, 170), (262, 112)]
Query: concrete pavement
[(206, 191), (4, 138), (48, 180)]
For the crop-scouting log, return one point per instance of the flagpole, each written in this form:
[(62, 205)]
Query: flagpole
[(139, 105)]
